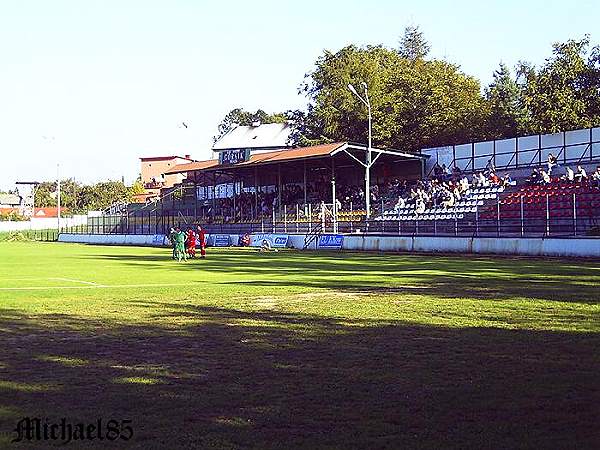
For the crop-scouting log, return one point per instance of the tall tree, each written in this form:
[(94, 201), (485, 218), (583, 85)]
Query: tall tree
[(508, 116), (415, 104), (413, 44), (564, 93)]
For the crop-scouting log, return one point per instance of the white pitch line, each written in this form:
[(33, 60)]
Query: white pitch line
[(97, 286), (75, 281)]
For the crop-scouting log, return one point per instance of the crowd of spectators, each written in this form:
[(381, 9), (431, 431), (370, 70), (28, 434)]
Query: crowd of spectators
[(445, 188), (554, 172)]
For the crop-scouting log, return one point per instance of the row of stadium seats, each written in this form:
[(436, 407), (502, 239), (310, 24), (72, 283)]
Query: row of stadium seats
[(469, 204), (558, 200)]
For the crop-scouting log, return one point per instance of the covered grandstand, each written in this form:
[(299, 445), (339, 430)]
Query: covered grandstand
[(485, 190)]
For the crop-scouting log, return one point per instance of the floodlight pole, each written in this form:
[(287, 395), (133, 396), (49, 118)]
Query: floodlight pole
[(58, 195), (369, 162)]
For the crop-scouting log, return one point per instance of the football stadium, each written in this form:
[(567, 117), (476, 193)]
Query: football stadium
[(364, 274)]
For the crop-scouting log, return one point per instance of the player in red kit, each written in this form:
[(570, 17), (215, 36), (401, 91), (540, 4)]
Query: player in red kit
[(191, 243), (202, 241)]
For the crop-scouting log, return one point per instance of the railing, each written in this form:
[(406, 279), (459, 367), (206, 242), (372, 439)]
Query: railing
[(542, 216), (570, 147)]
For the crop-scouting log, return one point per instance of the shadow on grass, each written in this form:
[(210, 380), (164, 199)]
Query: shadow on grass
[(268, 379), (441, 276)]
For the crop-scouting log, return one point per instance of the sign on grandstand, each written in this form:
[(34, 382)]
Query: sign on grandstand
[(234, 156), (275, 240), (331, 242)]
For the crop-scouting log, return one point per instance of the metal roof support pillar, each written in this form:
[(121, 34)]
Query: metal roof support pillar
[(256, 191), (279, 188), (305, 187), (214, 194)]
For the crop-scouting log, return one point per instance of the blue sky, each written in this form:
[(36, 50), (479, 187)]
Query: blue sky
[(110, 80)]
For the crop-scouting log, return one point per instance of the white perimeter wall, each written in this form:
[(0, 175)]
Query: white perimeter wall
[(505, 246), (585, 247)]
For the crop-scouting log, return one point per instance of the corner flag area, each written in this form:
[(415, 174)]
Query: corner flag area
[(300, 349)]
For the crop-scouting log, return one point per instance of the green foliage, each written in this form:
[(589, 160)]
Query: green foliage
[(137, 187), (508, 116), (11, 216), (413, 44), (415, 103), (564, 93), (80, 198)]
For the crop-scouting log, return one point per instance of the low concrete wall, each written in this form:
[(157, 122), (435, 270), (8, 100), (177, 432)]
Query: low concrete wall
[(584, 247), (157, 240)]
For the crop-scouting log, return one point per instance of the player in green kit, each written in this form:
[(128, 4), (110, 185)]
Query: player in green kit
[(173, 240), (180, 245)]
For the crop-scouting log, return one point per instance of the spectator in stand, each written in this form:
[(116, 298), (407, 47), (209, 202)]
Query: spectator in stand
[(545, 177), (490, 167), (456, 172), (535, 177), (483, 181), (401, 203), (446, 175), (569, 175), (581, 175), (552, 163), (494, 179), (437, 171), (596, 177)]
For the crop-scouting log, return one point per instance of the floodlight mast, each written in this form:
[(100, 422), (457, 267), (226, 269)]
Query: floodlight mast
[(58, 195), (369, 163)]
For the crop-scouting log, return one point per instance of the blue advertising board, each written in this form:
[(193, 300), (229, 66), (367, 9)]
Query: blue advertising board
[(158, 239), (221, 240), (276, 240), (331, 241)]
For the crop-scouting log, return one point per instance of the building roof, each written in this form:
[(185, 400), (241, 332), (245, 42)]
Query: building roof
[(10, 199), (165, 158), (263, 158), (262, 137), (48, 212), (295, 154), (190, 167)]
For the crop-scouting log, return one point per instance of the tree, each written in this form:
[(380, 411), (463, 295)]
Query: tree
[(239, 116), (564, 93), (80, 198), (413, 45), (415, 104), (137, 187), (508, 116)]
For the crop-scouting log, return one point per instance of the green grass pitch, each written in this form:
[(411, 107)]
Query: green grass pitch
[(300, 349)]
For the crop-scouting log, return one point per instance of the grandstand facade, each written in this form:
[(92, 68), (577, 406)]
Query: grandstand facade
[(545, 185)]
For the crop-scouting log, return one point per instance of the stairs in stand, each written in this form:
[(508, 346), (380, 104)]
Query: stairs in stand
[(312, 236)]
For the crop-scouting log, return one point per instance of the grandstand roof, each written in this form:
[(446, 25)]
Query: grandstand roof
[(296, 154), (263, 136), (189, 167)]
